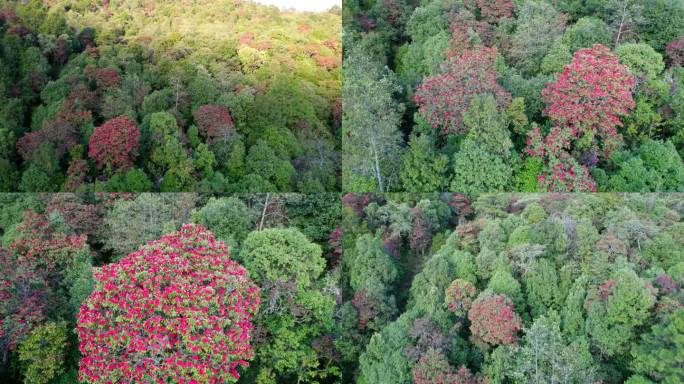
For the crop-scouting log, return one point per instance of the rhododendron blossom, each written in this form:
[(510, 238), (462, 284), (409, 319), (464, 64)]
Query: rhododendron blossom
[(33, 271), (459, 297), (585, 104), (493, 319), (589, 97), (177, 310), (114, 144), (214, 122), (443, 98), (675, 52)]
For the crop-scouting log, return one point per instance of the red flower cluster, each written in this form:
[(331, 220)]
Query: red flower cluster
[(177, 310), (357, 201), (493, 319), (675, 52), (335, 240), (115, 144), (589, 97), (443, 98), (60, 133), (459, 297), (433, 368), (107, 78), (76, 174), (32, 272), (214, 122), (493, 10), (585, 104), (567, 176)]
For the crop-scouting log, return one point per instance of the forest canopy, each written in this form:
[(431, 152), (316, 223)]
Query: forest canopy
[(213, 96), (479, 96), (324, 288)]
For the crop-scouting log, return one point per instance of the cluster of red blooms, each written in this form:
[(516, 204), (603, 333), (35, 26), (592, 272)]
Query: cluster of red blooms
[(367, 306), (442, 99), (675, 52), (32, 271), (459, 297), (585, 104), (433, 368), (357, 201), (114, 144), (104, 78), (179, 309), (335, 240), (214, 122), (493, 10), (493, 319), (62, 132), (568, 176)]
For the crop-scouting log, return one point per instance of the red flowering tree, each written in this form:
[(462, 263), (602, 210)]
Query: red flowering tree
[(60, 133), (214, 122), (493, 319), (443, 98), (675, 52), (34, 274), (22, 298), (107, 78), (81, 218), (114, 144), (585, 104), (357, 202), (563, 173), (77, 172), (493, 10), (177, 310), (566, 176), (336, 240), (589, 97), (433, 368), (459, 297)]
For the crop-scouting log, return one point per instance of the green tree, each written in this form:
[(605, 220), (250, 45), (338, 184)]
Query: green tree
[(423, 169), (586, 32), (132, 223), (370, 122), (539, 25), (660, 353), (227, 217), (615, 310), (663, 21), (265, 162), (654, 167), (42, 353), (544, 357), (295, 309)]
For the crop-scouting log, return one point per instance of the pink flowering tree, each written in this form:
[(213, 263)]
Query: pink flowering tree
[(114, 144), (38, 265), (443, 98), (493, 10), (214, 122), (433, 368), (177, 310), (675, 52), (459, 297), (585, 104), (493, 319)]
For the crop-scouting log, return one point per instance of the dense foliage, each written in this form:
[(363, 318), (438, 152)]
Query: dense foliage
[(124, 287), (529, 288), (124, 96), (579, 89)]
